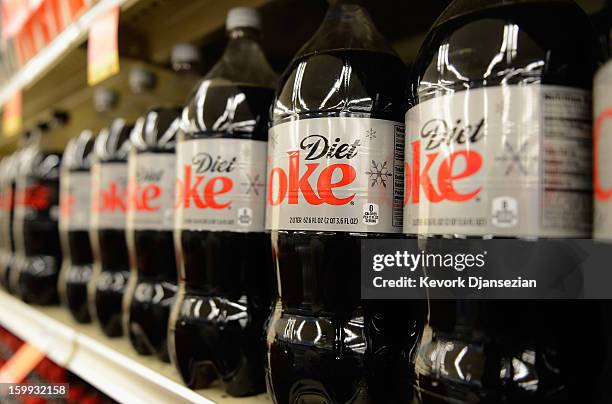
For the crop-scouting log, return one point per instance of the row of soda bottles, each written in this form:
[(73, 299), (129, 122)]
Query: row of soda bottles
[(258, 191)]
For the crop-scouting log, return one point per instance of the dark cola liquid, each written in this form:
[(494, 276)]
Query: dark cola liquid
[(79, 274), (75, 211), (360, 359), (38, 272), (8, 259), (226, 291), (508, 351), (107, 230), (154, 291), (112, 280)]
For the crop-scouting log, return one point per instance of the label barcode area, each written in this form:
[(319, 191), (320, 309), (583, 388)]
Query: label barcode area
[(398, 177)]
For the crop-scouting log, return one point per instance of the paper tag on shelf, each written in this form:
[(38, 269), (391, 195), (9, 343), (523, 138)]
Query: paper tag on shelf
[(14, 15), (11, 115), (21, 364), (103, 47)]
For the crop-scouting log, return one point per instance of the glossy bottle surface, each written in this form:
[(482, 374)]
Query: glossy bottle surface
[(75, 204), (153, 274), (78, 275), (225, 286), (7, 185), (35, 227), (227, 273), (505, 351), (326, 345), (109, 201)]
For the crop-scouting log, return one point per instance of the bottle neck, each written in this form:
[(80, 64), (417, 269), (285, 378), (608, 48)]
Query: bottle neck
[(34, 139), (41, 141), (346, 12), (25, 141), (358, 2), (347, 25), (242, 40), (243, 60), (461, 8), (186, 70)]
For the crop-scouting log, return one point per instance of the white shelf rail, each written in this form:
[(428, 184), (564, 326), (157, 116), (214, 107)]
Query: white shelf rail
[(112, 371)]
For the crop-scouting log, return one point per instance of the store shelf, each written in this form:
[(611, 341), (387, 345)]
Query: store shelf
[(110, 365), (74, 35)]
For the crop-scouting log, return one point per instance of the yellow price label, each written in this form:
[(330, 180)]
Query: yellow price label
[(103, 47), (11, 115)]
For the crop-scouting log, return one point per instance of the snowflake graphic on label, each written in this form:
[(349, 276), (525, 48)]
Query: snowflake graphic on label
[(253, 185), (273, 139), (370, 134), (379, 174), (518, 159)]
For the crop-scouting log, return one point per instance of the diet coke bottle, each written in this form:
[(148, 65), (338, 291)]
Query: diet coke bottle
[(498, 144), (335, 170), (7, 199), (107, 229), (150, 220), (225, 268), (75, 205), (35, 275)]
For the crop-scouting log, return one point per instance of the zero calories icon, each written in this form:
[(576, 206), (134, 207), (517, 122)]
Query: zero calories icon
[(371, 214)]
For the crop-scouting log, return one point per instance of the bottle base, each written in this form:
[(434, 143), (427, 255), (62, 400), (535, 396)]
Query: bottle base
[(515, 352), (217, 336), (7, 268), (37, 280), (147, 322), (325, 359), (109, 288), (75, 299)]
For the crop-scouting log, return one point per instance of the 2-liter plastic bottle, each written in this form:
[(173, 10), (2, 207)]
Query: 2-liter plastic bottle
[(150, 220), (107, 229), (75, 206), (151, 191), (499, 145), (225, 270), (14, 228), (35, 226), (5, 213), (7, 186), (335, 169)]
